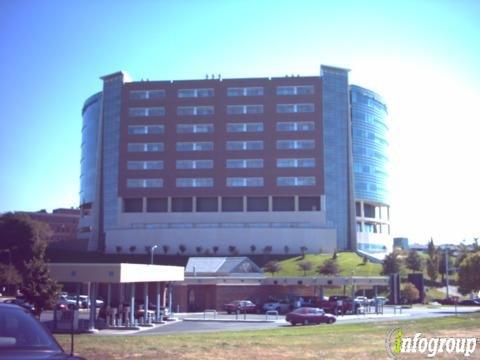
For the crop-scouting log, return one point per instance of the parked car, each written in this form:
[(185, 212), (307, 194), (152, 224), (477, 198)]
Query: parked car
[(24, 337), (309, 315), (471, 302), (242, 306), (448, 301), (21, 302), (85, 301), (281, 306)]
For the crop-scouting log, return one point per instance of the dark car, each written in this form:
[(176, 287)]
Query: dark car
[(23, 337), (309, 315), (472, 302), (242, 306)]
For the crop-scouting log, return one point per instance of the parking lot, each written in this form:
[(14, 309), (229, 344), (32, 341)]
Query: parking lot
[(200, 322)]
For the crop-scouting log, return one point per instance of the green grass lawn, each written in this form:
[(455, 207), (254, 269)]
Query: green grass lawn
[(348, 261), (338, 341)]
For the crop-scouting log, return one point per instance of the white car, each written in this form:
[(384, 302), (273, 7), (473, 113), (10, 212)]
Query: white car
[(281, 307)]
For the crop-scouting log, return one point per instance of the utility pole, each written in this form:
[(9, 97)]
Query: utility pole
[(446, 270)]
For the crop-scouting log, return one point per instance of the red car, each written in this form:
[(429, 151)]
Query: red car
[(309, 315), (242, 306)]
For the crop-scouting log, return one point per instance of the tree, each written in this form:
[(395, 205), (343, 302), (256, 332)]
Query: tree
[(272, 267), (118, 248), (267, 249), (10, 278), (365, 260), (182, 248), (286, 248), (232, 249), (334, 256), (305, 266), (414, 261), (432, 267), (26, 241), (253, 248), (303, 250), (215, 249), (329, 267), (38, 288), (469, 274), (21, 239), (462, 254), (198, 249), (431, 250), (409, 293), (391, 263), (132, 248), (165, 248)]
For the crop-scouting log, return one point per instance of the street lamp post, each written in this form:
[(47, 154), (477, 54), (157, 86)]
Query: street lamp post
[(151, 253)]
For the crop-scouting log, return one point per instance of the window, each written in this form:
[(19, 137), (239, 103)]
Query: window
[(194, 128), (182, 205), (157, 204), (296, 163), (296, 126), (283, 203), (230, 204), (296, 181), (189, 93), (245, 91), (145, 165), (245, 181), (295, 144), (257, 203), (195, 146), (245, 145), (147, 94), (194, 164), (132, 205), (194, 182), (144, 183), (295, 108), (244, 163), (146, 111), (309, 203), (195, 110), (244, 127), (296, 90), (145, 129), (244, 109), (206, 204), (145, 147)]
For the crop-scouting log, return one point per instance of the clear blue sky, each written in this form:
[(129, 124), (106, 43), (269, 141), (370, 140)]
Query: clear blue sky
[(423, 56)]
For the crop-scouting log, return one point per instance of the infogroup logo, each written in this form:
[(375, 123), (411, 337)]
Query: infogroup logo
[(396, 343)]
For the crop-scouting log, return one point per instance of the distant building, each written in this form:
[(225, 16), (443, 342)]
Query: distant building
[(401, 242), (419, 247), (62, 222), (235, 166)]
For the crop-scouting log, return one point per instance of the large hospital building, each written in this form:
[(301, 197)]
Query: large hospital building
[(235, 166)]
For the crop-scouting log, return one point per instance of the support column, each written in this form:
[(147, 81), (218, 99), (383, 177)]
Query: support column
[(145, 302), (170, 298), (109, 295), (93, 307), (132, 304), (157, 310)]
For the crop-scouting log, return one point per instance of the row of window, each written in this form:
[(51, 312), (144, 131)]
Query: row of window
[(297, 126), (203, 110), (230, 164), (231, 91), (230, 145), (230, 182), (226, 204)]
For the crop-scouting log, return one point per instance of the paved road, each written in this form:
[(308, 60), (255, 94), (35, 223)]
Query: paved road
[(211, 326)]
